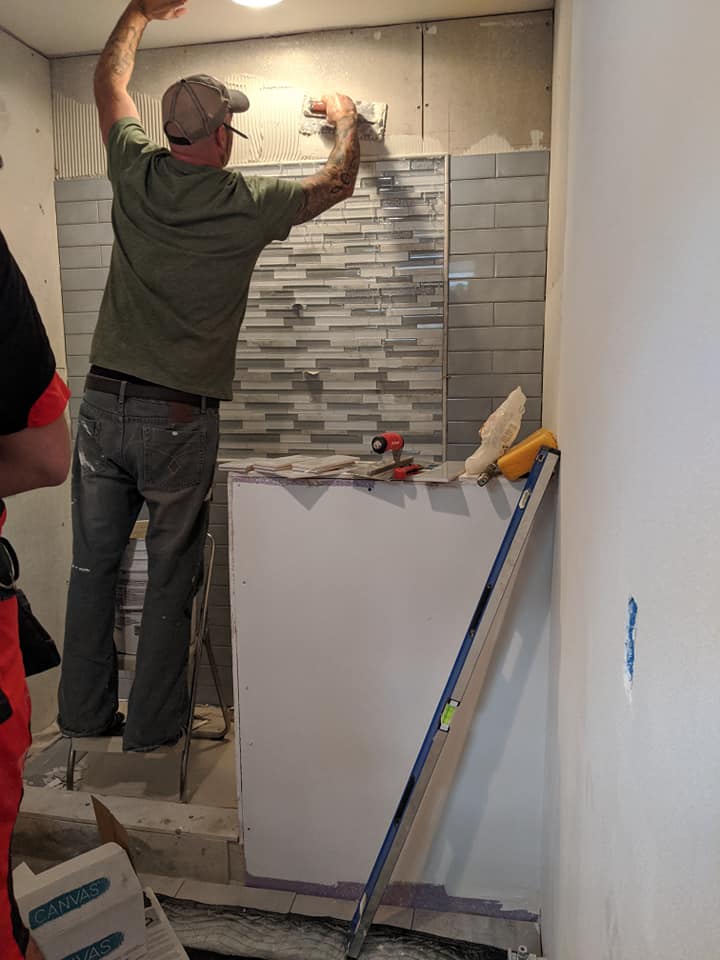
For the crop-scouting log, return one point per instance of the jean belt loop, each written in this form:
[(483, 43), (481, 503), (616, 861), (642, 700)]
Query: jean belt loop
[(121, 394)]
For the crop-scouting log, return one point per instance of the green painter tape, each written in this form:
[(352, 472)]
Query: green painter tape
[(448, 713)]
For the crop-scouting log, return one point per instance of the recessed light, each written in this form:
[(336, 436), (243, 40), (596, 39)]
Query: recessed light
[(257, 3)]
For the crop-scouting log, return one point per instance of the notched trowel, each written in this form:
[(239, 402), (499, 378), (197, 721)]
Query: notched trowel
[(371, 116)]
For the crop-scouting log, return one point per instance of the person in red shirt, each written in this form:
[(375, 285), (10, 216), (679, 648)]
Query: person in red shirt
[(34, 452)]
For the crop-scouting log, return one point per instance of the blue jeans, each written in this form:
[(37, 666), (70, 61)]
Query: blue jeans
[(128, 452)]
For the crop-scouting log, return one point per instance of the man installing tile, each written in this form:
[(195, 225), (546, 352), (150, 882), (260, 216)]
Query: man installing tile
[(187, 236)]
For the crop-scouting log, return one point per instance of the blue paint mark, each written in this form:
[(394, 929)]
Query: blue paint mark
[(630, 644)]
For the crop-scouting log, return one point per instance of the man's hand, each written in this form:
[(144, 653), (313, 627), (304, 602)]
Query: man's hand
[(338, 107), (161, 9), (336, 181)]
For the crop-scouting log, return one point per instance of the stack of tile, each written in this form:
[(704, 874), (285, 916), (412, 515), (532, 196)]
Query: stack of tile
[(129, 597)]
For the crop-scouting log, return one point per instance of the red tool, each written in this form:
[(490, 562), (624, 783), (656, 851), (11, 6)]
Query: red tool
[(387, 441), (394, 442), (402, 473)]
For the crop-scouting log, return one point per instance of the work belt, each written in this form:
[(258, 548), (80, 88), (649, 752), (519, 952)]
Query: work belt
[(148, 391)]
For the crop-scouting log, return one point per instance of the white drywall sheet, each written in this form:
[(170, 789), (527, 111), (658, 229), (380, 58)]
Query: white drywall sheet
[(349, 607)]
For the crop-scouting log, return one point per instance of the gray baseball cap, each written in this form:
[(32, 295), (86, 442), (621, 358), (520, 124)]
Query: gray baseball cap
[(194, 108)]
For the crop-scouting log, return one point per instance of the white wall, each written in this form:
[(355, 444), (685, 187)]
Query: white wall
[(633, 849), (38, 522)]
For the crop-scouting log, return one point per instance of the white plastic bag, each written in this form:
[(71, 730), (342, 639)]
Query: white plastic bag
[(497, 434)]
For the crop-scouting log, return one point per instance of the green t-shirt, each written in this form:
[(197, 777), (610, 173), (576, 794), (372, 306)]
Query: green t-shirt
[(186, 242)]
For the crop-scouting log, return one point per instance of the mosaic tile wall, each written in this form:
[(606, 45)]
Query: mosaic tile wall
[(343, 335)]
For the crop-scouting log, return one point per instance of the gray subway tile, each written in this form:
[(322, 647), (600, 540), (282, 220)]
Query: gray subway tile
[(72, 258), (516, 361), (95, 188), (471, 265), (500, 190), (469, 361), (498, 240), (86, 279), (78, 345), (495, 338), (105, 255), (461, 451), (520, 264), (495, 385), (523, 163), (80, 322), (473, 216), (76, 385), (477, 409), (472, 168), (533, 409), (464, 432), (82, 301), (520, 314), (78, 366), (104, 210), (527, 427), (85, 235), (501, 288), (519, 214), (80, 211), (470, 315)]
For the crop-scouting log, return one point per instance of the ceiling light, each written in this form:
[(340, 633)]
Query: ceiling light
[(256, 3)]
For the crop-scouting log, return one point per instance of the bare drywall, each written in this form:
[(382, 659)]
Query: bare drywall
[(632, 846), (417, 69), (366, 644), (38, 522), (487, 84)]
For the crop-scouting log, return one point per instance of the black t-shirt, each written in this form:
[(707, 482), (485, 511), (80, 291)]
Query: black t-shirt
[(27, 363)]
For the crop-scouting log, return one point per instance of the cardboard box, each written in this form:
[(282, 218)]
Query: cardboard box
[(89, 907), (93, 906)]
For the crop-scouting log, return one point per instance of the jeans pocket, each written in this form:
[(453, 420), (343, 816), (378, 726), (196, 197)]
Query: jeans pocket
[(89, 447), (174, 455)]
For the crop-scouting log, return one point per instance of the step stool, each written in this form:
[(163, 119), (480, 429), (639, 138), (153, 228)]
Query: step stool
[(199, 642)]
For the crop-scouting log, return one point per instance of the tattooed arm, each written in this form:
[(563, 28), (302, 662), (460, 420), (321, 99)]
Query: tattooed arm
[(115, 66), (336, 181)]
